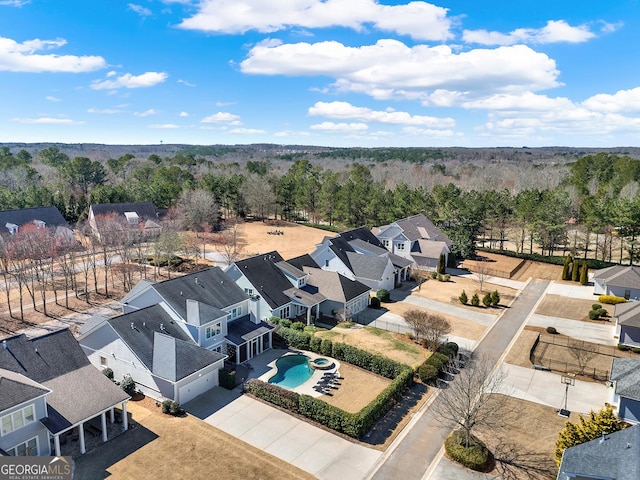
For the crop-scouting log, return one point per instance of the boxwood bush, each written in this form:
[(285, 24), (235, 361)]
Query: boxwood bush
[(227, 379), (611, 299), (474, 457), (427, 373)]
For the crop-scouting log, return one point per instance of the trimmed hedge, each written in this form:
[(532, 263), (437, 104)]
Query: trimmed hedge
[(375, 302), (383, 295), (294, 338), (427, 373), (227, 379), (474, 457), (611, 299), (281, 397), (450, 349)]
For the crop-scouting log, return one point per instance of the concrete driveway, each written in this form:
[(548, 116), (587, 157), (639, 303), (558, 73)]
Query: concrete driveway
[(317, 451), (586, 331)]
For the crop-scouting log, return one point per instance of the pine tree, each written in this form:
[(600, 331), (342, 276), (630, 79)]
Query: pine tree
[(584, 274), (441, 264), (575, 271), (486, 300), (463, 298), (566, 270), (495, 298), (604, 421), (475, 300)]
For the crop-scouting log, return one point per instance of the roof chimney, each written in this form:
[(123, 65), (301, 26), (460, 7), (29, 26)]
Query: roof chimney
[(197, 281), (4, 344), (162, 327), (132, 327)]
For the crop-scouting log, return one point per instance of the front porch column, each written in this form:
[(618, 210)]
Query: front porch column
[(56, 443), (103, 418), (261, 349), (125, 420), (112, 415), (308, 315), (83, 448)]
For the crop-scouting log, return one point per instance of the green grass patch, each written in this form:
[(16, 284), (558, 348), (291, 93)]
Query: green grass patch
[(330, 334), (405, 347), (377, 332), (313, 329)]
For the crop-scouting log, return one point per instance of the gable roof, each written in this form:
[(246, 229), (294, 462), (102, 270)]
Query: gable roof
[(212, 287), (146, 210), (363, 234), (160, 344), (628, 314), (200, 313), (427, 252), (613, 456), (367, 266), (268, 279), (302, 261), (626, 373), (420, 227), (334, 286), (51, 216), (619, 276), (16, 389)]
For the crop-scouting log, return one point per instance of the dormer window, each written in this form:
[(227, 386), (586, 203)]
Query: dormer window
[(235, 312), (39, 224), (302, 282), (132, 218), (12, 227), (399, 246)]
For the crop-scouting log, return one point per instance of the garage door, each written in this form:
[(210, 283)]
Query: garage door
[(197, 386)]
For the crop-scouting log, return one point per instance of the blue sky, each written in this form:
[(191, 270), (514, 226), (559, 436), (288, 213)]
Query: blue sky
[(321, 72)]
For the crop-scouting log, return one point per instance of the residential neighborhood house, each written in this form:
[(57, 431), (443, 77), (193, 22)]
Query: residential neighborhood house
[(627, 317), (415, 238), (51, 395), (625, 375), (41, 217), (143, 217), (208, 305), (618, 280), (155, 350)]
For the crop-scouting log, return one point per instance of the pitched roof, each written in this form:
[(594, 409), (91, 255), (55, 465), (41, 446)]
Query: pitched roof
[(267, 278), (306, 297), (200, 313), (335, 286), (292, 270), (340, 247), (361, 233), (16, 389), (419, 226), (51, 216), (146, 210), (626, 373), (428, 249), (619, 276), (302, 261), (367, 266), (628, 314), (242, 329), (613, 456), (161, 344), (212, 287)]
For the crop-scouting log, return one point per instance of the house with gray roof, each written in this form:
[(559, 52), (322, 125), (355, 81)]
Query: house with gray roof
[(625, 375), (359, 255), (154, 348), (50, 393), (208, 305), (142, 217), (341, 293), (42, 217), (618, 280), (614, 456), (627, 317), (417, 239)]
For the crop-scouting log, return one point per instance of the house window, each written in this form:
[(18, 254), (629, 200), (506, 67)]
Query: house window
[(385, 243), (248, 291), (627, 294), (284, 312), (18, 419), (213, 330), (326, 263), (28, 448), (235, 311), (301, 282), (103, 361), (399, 246)]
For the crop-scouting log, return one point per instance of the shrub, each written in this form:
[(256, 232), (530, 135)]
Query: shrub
[(594, 314), (383, 295), (171, 407), (375, 302), (274, 320), (635, 350), (575, 271), (326, 347), (294, 338), (434, 275), (299, 326), (475, 300), (315, 344), (128, 385), (108, 373), (623, 347), (450, 349), (584, 274), (437, 360), (285, 322), (602, 312), (410, 335), (440, 278), (611, 299), (495, 298), (475, 457), (268, 392), (596, 306), (552, 330), (227, 379), (447, 277), (463, 298), (486, 300), (427, 373)]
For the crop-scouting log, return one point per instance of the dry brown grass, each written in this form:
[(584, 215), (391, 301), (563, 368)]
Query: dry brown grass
[(545, 271), (573, 308), (357, 390), (493, 264), (448, 292), (187, 447)]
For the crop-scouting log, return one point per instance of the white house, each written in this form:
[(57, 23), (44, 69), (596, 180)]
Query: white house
[(625, 375), (618, 280)]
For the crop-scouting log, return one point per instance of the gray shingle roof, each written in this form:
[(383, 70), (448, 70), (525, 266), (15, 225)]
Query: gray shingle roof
[(628, 314), (419, 226), (626, 373), (51, 216), (200, 313), (334, 286), (303, 261), (212, 287), (176, 359), (16, 389), (242, 329), (617, 457), (367, 266), (619, 276), (267, 278), (145, 210)]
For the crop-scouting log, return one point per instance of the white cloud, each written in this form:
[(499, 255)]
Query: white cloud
[(104, 111), (391, 69), (47, 121), (420, 20), (427, 132), (225, 104), (14, 3), (139, 9), (147, 79), (146, 113), (22, 57), (247, 131), (526, 101), (555, 31), (110, 74), (340, 127), (621, 101), (183, 114), (166, 126), (185, 83), (291, 133), (346, 111), (222, 117), (52, 98)]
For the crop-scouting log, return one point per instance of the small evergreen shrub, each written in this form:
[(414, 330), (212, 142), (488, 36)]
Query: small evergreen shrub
[(427, 373), (594, 314), (486, 300), (552, 330), (450, 349), (440, 278), (611, 299), (463, 298), (495, 298), (447, 277), (623, 347), (299, 326), (434, 275), (383, 295), (475, 300), (274, 320), (584, 274), (475, 457), (128, 385), (285, 322), (171, 407), (375, 302), (326, 347), (315, 343), (596, 306), (227, 379), (108, 373)]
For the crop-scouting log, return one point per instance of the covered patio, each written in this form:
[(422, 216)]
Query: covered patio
[(246, 339)]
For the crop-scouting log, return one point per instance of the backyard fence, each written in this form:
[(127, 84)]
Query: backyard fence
[(368, 318)]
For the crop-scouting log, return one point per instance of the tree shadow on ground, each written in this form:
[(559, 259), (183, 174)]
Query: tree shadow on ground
[(513, 462)]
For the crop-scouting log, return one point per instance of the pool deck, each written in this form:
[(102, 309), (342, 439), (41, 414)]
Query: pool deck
[(307, 387)]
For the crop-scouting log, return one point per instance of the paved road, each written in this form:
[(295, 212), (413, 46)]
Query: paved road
[(415, 452)]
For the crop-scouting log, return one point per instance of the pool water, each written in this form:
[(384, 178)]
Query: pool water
[(293, 371)]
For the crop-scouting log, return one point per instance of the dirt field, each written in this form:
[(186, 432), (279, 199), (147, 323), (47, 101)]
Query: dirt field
[(448, 292), (357, 390), (162, 446), (493, 264), (545, 271), (573, 308)]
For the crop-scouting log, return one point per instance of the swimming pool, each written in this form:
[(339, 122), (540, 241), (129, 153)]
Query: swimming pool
[(293, 371)]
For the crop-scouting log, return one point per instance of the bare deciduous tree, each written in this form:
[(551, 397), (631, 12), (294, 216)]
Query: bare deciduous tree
[(429, 327), (420, 275), (471, 400), (198, 208), (482, 270), (582, 352), (229, 240)]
